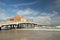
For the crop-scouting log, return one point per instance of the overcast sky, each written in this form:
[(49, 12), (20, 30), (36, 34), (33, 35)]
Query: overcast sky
[(41, 11)]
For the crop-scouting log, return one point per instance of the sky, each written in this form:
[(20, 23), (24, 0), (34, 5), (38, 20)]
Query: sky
[(40, 11)]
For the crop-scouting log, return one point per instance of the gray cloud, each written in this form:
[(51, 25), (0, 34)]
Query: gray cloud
[(57, 3)]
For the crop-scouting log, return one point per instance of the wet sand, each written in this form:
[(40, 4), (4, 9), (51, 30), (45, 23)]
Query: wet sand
[(29, 35)]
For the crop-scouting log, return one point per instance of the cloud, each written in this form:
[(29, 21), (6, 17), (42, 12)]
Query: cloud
[(41, 19), (16, 5), (54, 17), (47, 18), (54, 6), (51, 14), (56, 20), (27, 11), (23, 4), (57, 3), (3, 14)]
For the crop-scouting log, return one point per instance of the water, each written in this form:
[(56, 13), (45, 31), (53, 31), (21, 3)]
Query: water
[(29, 35)]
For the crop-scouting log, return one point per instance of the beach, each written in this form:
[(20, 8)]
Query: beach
[(29, 35)]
